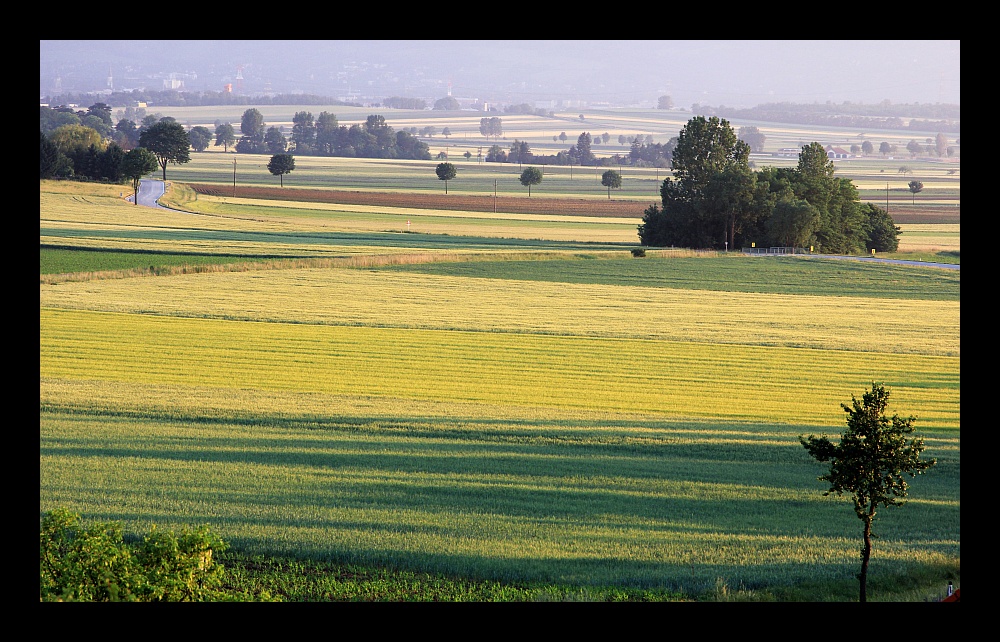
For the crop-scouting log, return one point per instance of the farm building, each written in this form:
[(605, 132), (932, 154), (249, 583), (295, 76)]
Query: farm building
[(836, 152), (788, 152)]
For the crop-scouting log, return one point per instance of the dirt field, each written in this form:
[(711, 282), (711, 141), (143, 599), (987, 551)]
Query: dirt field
[(505, 204), (516, 204)]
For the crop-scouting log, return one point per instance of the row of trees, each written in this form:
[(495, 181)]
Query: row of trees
[(714, 200)]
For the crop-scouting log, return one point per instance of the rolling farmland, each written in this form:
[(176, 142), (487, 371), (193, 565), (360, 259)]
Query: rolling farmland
[(504, 396)]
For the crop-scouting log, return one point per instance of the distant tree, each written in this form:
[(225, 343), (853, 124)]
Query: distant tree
[(169, 142), (867, 147), (428, 131), (563, 137), (127, 134), (281, 164), (327, 129), (941, 144), (605, 137), (275, 141), (445, 172), (915, 186), (495, 154), (914, 148), (869, 462), (621, 139), (581, 117), (448, 103), (225, 136), (138, 163), (752, 137), (531, 176), (303, 132), (884, 148), (253, 129), (467, 154), (492, 126), (611, 179), (446, 132), (520, 152), (200, 138), (665, 102), (583, 151)]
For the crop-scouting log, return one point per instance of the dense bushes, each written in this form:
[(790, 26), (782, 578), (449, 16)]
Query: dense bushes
[(94, 564)]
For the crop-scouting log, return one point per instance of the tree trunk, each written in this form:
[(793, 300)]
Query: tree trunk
[(866, 552)]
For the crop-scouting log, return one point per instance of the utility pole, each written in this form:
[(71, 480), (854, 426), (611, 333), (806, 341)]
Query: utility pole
[(494, 196), (887, 197), (234, 177)]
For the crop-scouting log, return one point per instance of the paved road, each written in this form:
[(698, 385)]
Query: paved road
[(150, 190)]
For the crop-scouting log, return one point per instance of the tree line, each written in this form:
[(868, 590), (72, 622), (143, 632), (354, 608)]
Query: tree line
[(715, 200)]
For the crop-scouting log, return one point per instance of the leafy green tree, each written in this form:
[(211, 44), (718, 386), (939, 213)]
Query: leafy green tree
[(914, 148), (327, 129), (883, 233), (531, 176), (253, 129), (200, 137), (48, 157), (753, 137), (303, 132), (225, 136), (281, 164), (169, 142), (705, 149), (664, 102), (520, 153), (71, 138), (495, 154), (793, 223), (127, 134), (867, 148), (884, 148), (915, 187), (275, 141), (448, 103), (138, 163), (562, 137), (941, 144), (611, 179), (491, 126), (873, 455), (446, 132), (583, 152), (445, 172)]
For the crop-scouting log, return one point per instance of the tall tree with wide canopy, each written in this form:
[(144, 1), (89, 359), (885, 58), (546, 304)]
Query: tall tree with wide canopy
[(136, 164), (610, 179), (253, 128), (225, 136), (705, 149), (445, 172), (303, 132), (869, 462), (200, 137), (326, 133), (281, 164), (169, 143), (531, 176)]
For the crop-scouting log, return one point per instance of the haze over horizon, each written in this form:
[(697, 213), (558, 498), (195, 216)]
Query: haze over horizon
[(734, 73)]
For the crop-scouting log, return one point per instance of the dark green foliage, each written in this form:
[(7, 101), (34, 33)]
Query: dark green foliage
[(638, 252), (445, 172), (94, 564), (883, 233), (138, 163), (281, 164), (48, 157), (168, 141), (201, 138), (869, 463), (531, 176), (610, 179)]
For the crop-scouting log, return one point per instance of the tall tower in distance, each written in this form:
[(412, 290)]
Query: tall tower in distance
[(239, 79), (111, 80)]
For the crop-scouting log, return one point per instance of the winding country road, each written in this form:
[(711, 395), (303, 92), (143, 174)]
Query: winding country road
[(150, 190)]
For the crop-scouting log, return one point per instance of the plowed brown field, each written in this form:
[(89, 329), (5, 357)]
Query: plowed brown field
[(506, 204), (927, 214)]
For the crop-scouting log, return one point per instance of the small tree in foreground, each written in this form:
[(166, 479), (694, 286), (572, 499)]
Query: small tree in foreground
[(869, 462), (445, 172), (531, 176), (281, 164)]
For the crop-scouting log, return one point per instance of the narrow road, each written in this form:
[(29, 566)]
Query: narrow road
[(150, 191)]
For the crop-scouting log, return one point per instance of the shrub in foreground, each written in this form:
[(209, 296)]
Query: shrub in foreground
[(95, 564)]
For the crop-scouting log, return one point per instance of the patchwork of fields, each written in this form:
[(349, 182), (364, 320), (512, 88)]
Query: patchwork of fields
[(514, 399)]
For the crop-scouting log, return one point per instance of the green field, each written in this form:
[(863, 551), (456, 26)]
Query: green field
[(485, 412)]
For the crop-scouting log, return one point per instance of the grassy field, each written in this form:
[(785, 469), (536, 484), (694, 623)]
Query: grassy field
[(492, 408)]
